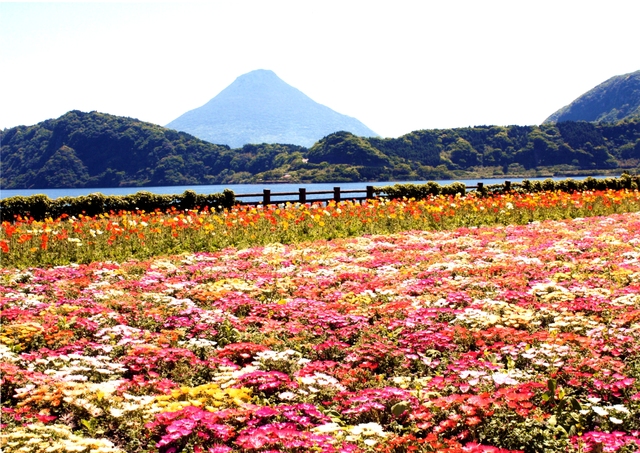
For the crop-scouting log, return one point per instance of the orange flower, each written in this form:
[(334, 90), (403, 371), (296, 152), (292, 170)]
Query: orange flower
[(44, 239), (24, 238), (8, 229)]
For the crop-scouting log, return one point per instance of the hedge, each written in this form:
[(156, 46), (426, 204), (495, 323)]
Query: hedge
[(40, 206), (421, 191), (625, 181)]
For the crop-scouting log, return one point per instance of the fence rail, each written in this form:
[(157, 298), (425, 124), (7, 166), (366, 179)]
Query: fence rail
[(337, 194)]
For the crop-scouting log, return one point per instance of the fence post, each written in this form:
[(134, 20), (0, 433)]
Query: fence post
[(303, 195), (266, 197), (369, 191), (480, 186), (507, 186), (336, 194)]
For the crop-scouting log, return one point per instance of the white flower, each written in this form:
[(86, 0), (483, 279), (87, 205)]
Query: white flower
[(600, 411), (287, 396), (617, 421), (327, 428), (116, 412), (368, 429), (620, 408), (503, 378)]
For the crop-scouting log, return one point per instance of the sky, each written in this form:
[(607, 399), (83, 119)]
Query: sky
[(397, 66)]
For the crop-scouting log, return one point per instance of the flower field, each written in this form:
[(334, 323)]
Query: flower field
[(520, 333), (119, 236)]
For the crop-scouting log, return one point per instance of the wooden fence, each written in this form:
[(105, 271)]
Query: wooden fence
[(337, 194)]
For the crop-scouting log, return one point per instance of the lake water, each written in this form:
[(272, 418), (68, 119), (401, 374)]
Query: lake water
[(251, 188)]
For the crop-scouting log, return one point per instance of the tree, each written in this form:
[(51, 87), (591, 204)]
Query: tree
[(463, 154)]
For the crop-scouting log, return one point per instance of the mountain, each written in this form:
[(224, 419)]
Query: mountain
[(259, 107), (616, 99), (100, 150)]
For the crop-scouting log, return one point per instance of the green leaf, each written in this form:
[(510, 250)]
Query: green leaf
[(396, 333), (335, 416), (400, 408), (561, 394), (575, 404)]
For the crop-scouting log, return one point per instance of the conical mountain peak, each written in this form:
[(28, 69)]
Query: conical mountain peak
[(258, 75), (260, 78), (259, 107)]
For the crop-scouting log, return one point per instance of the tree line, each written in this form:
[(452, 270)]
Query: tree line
[(100, 150)]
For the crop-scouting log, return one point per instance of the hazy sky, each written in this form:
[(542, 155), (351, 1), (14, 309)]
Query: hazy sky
[(397, 66)]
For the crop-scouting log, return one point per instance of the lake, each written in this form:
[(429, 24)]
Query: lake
[(252, 188)]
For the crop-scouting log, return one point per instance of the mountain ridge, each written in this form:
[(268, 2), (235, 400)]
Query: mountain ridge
[(615, 99), (259, 107), (96, 149)]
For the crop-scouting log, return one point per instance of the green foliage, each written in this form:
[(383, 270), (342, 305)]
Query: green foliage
[(94, 149), (513, 432), (430, 189), (463, 154), (578, 134), (346, 148), (614, 100), (420, 146), (98, 150), (40, 207), (421, 191)]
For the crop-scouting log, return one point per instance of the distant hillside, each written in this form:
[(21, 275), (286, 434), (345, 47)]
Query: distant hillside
[(616, 99), (258, 107), (99, 150)]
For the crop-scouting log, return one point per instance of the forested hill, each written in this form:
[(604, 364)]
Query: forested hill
[(100, 150), (614, 100)]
